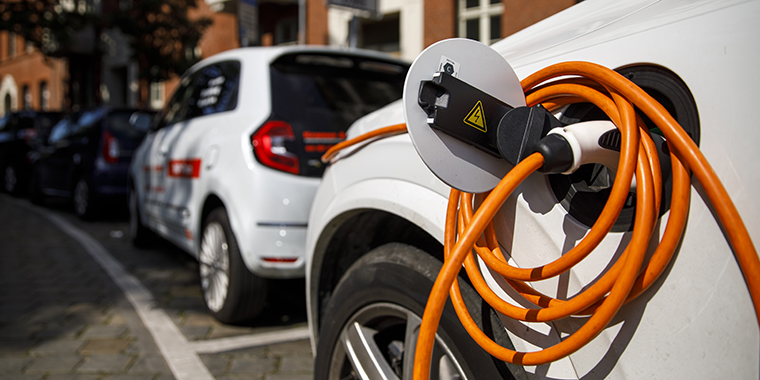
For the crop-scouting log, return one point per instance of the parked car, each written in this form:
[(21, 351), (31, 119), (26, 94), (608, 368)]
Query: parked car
[(376, 229), (86, 158), (229, 169), (20, 133)]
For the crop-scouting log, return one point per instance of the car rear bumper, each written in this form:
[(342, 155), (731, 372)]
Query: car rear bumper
[(279, 250), (110, 179)]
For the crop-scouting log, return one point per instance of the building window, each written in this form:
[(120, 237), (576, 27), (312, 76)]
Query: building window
[(11, 45), (286, 31), (480, 20), (157, 95), (125, 5), (383, 35), (27, 99), (44, 96)]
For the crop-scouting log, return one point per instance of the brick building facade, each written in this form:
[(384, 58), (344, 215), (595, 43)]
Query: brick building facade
[(27, 78), (402, 28)]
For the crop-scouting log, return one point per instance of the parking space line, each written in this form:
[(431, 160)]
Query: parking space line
[(182, 359), (180, 354), (254, 340)]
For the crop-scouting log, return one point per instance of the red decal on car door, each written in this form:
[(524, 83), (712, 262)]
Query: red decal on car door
[(190, 168)]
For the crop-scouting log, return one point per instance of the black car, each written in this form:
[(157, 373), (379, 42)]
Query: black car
[(20, 133), (86, 157)]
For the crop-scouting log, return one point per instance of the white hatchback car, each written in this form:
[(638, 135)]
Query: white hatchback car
[(376, 230), (229, 169)]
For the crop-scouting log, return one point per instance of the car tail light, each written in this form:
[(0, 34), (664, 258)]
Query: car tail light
[(269, 146), (111, 148)]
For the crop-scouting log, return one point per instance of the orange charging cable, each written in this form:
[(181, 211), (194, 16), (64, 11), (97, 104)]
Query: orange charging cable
[(388, 131), (468, 230)]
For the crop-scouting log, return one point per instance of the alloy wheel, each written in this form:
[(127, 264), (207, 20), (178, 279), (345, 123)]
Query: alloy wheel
[(81, 197), (11, 180), (214, 266), (378, 342), (133, 217)]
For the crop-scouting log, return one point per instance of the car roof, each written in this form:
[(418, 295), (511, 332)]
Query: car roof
[(271, 53)]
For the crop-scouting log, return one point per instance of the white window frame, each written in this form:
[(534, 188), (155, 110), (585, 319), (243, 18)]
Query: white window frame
[(483, 13), (44, 96), (26, 93), (157, 98)]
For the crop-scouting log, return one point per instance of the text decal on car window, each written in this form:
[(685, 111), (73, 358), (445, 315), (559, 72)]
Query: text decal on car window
[(321, 141), (190, 168)]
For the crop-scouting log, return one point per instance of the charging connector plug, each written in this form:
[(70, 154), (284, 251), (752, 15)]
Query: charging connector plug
[(521, 129), (477, 118), (462, 111), (596, 142), (557, 153)]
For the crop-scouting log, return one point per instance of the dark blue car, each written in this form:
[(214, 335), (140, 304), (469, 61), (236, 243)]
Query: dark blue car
[(86, 157), (20, 133)]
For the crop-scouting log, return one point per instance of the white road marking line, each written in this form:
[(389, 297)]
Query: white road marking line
[(181, 358), (243, 341), (180, 354)]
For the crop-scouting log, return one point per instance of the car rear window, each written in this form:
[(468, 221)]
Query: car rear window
[(341, 88), (118, 123), (323, 94)]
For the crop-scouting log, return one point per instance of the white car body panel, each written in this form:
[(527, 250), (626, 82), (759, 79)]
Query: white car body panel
[(697, 321), (268, 209)]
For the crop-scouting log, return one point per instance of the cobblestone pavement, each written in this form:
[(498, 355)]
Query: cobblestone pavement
[(63, 317)]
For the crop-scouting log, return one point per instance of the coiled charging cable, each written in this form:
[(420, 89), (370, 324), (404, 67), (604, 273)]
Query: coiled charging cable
[(468, 230)]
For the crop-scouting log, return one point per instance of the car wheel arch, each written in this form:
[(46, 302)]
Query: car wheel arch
[(211, 203), (340, 246)]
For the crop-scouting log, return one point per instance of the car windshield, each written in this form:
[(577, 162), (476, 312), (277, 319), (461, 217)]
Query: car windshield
[(62, 129)]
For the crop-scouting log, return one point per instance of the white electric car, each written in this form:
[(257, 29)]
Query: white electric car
[(376, 229), (229, 168)]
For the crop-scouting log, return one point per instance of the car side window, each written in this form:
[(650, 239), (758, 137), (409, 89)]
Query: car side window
[(211, 89)]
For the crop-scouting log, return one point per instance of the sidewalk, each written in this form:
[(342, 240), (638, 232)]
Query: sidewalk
[(63, 317)]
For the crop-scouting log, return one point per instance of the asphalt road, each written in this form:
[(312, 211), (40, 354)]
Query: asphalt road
[(77, 301)]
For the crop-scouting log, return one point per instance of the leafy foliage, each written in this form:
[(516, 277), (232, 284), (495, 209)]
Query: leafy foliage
[(48, 24), (163, 37)]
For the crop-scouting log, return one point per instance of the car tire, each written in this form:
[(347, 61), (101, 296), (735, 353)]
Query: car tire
[(140, 235), (85, 202), (376, 310), (35, 190), (231, 292), (11, 180)]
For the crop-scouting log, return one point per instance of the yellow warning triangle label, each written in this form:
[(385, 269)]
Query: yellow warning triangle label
[(476, 118)]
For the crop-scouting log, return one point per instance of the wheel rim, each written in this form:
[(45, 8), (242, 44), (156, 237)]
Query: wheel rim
[(10, 179), (81, 197), (378, 342), (214, 266), (133, 217)]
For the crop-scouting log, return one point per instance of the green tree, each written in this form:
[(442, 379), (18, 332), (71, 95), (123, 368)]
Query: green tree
[(165, 40), (47, 24)]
